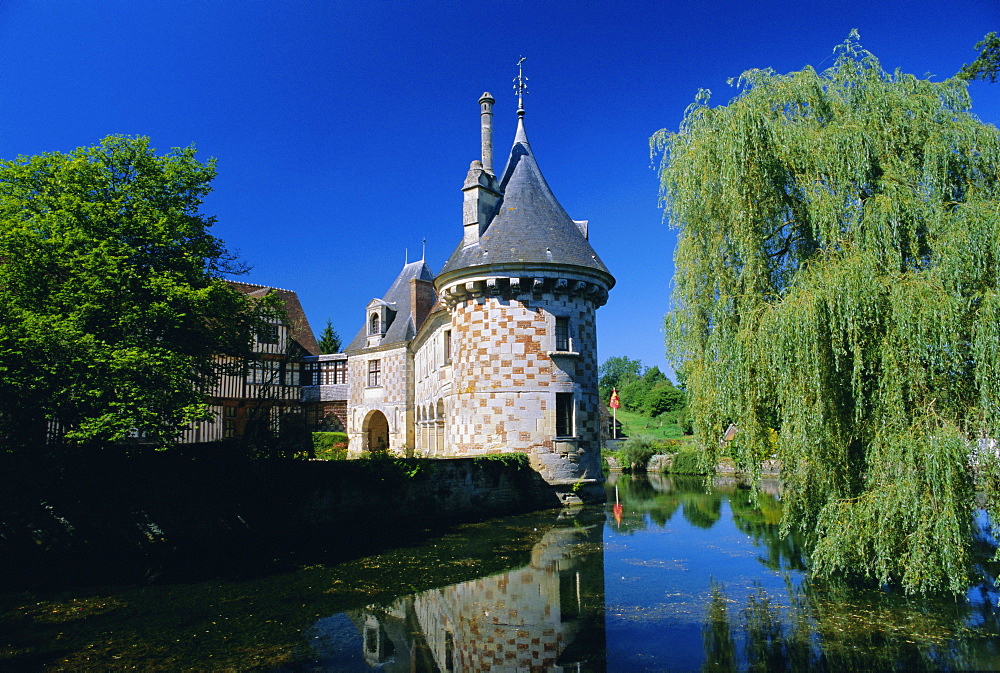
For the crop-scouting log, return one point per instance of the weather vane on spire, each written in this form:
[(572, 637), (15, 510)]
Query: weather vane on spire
[(520, 87)]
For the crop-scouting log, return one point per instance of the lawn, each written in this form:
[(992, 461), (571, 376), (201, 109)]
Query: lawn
[(636, 424)]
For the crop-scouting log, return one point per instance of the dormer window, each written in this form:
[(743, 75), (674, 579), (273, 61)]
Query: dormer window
[(378, 319)]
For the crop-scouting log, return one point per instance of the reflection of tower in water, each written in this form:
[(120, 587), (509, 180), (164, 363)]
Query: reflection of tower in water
[(548, 615)]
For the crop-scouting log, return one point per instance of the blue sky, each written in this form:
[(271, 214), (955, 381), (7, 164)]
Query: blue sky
[(343, 130)]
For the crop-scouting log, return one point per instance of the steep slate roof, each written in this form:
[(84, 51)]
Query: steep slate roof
[(530, 225), (402, 327), (299, 330)]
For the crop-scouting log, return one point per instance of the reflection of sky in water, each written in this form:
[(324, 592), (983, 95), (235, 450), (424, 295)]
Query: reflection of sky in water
[(985, 594), (643, 601), (657, 585), (675, 541), (336, 644), (683, 574)]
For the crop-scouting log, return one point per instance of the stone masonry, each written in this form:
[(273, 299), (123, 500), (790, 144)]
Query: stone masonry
[(498, 351)]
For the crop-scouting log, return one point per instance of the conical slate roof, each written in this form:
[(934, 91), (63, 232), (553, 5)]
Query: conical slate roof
[(530, 225), (402, 327)]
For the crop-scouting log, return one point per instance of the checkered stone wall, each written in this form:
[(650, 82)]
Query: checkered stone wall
[(391, 397), (432, 388), (507, 372)]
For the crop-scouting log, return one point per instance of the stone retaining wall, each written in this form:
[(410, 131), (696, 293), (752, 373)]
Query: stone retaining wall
[(153, 510)]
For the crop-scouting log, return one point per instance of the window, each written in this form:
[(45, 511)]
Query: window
[(263, 372), (447, 346), (326, 373), (229, 422), (374, 373), (269, 334), (373, 324), (562, 334), (449, 652), (309, 374), (564, 415)]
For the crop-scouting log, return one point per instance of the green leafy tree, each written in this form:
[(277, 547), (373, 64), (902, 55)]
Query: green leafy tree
[(632, 395), (987, 66), (113, 313), (615, 372), (662, 399), (653, 376), (329, 340), (837, 281)]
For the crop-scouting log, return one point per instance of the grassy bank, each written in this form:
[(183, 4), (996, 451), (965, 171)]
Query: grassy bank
[(661, 427)]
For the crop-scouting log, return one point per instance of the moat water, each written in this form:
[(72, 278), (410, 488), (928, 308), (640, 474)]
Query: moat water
[(682, 575)]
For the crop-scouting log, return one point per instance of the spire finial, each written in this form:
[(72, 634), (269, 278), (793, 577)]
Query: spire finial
[(423, 251), (520, 87)]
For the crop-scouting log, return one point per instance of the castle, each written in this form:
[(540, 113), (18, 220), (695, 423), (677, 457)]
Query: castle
[(498, 351)]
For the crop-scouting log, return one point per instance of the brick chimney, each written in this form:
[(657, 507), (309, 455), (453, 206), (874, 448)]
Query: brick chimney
[(422, 299)]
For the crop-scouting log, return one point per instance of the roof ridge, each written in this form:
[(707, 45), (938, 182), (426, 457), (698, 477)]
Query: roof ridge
[(258, 285)]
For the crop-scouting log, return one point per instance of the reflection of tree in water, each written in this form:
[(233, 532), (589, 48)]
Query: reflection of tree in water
[(818, 626), (702, 510), (832, 627), (758, 514), (639, 499), (660, 497)]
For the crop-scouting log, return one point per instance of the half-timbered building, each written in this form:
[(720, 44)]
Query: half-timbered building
[(266, 392)]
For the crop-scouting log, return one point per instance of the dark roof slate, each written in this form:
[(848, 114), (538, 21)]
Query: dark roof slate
[(530, 225), (402, 327)]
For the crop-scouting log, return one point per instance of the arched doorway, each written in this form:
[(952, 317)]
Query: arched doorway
[(376, 429)]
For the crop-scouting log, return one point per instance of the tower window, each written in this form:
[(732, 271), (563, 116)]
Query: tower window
[(447, 347), (374, 373), (565, 427), (562, 334)]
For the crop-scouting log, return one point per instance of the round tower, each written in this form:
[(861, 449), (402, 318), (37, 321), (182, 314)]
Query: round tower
[(523, 288)]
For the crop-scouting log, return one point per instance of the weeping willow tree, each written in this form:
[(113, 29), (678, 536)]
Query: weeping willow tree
[(837, 297)]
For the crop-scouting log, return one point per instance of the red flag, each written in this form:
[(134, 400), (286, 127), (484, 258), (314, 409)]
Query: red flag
[(614, 399)]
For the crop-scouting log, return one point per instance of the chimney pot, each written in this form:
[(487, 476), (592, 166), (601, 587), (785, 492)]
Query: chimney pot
[(486, 121)]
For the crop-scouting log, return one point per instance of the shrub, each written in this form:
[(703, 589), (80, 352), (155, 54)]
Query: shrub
[(685, 422), (330, 445), (688, 461), (636, 451)]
